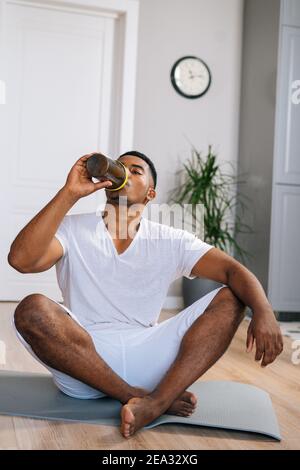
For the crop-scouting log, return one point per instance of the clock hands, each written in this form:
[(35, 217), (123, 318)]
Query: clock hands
[(194, 76)]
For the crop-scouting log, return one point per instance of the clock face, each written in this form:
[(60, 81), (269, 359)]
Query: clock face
[(190, 77)]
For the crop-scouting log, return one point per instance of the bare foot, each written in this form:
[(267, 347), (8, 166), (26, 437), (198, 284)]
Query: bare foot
[(140, 411), (137, 413), (184, 405)]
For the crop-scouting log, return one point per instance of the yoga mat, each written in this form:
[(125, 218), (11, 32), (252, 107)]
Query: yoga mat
[(221, 404)]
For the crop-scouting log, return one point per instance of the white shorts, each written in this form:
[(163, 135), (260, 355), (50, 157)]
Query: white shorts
[(139, 355)]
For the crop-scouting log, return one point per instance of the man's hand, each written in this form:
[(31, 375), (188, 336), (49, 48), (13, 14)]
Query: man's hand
[(265, 331), (79, 183)]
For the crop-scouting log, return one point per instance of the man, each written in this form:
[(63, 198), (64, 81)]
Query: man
[(105, 339)]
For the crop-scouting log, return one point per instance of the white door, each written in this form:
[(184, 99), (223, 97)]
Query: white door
[(284, 276), (58, 95)]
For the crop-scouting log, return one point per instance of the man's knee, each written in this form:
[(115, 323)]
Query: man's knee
[(32, 313), (227, 297)]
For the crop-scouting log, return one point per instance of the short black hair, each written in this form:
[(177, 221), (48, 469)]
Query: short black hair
[(144, 157)]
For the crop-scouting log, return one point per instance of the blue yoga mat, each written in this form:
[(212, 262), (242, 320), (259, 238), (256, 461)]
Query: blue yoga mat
[(221, 404)]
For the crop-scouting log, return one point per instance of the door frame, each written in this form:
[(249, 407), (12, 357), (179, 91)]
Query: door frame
[(126, 15)]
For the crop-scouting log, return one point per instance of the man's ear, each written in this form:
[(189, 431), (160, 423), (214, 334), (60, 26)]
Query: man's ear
[(151, 194)]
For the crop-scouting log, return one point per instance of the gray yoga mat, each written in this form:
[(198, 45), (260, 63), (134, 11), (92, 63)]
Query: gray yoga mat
[(221, 404)]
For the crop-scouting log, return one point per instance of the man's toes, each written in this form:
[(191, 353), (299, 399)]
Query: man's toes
[(189, 397), (189, 409), (185, 414), (184, 409), (128, 420), (193, 400)]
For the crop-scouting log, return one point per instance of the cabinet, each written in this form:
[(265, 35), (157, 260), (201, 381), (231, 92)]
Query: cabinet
[(284, 258), (269, 152)]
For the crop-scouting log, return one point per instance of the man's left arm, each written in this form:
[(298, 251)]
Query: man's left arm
[(263, 328)]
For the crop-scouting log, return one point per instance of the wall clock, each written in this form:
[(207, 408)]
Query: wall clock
[(190, 77)]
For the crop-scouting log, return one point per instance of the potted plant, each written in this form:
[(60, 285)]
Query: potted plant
[(204, 182)]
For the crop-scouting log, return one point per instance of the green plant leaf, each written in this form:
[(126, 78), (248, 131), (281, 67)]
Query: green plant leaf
[(205, 182)]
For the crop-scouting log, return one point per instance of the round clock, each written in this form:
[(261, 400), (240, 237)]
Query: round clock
[(190, 77)]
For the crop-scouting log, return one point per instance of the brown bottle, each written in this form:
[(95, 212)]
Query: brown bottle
[(101, 167)]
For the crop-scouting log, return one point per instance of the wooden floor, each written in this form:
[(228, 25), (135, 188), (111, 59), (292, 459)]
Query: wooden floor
[(280, 380)]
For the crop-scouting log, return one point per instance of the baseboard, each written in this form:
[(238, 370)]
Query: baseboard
[(172, 302), (288, 316)]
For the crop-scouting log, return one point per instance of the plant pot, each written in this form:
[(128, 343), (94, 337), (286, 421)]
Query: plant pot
[(194, 289)]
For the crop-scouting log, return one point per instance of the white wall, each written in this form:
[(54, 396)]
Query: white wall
[(165, 122), (258, 99)]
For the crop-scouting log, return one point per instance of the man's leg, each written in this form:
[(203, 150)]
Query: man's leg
[(61, 343), (202, 345), (64, 345)]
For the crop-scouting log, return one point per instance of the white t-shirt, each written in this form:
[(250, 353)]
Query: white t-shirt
[(100, 286)]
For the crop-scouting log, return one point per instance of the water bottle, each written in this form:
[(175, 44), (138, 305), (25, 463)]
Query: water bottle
[(101, 167)]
